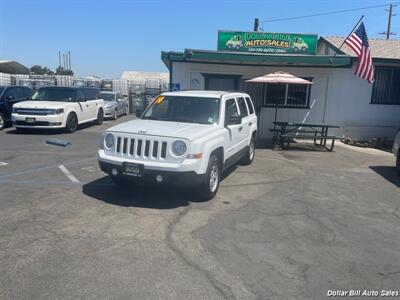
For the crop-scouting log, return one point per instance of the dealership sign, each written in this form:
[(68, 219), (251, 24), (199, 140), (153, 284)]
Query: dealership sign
[(267, 42)]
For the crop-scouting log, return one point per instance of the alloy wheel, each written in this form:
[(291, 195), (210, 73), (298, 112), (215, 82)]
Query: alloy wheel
[(214, 177), (251, 150)]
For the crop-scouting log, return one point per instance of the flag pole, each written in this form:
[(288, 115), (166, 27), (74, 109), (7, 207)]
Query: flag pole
[(359, 21)]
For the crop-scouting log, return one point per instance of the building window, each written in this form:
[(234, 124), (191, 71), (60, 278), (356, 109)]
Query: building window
[(386, 88), (294, 96), (267, 95)]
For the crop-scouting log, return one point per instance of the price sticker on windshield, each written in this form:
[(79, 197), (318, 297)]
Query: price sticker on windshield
[(159, 99)]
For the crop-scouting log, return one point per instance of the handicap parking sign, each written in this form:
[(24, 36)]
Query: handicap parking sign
[(174, 87)]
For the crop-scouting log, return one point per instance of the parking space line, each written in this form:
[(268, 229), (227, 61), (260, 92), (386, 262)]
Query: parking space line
[(2, 163), (41, 168), (68, 174)]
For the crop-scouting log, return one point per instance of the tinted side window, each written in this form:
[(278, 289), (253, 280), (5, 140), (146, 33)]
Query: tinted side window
[(23, 93), (80, 96), (10, 92), (230, 109), (27, 93), (242, 107), (250, 105), (91, 94), (20, 93)]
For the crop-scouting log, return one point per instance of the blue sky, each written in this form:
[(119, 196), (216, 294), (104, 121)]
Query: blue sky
[(108, 37)]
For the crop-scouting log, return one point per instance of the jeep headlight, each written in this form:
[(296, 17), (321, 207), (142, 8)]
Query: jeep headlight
[(109, 140), (179, 148)]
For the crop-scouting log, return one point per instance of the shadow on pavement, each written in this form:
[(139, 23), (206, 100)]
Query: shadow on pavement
[(387, 172), (145, 196), (42, 131)]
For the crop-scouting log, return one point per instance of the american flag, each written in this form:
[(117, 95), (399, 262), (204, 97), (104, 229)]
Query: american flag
[(358, 42)]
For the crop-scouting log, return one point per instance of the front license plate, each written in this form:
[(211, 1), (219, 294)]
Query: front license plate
[(30, 120), (133, 169)]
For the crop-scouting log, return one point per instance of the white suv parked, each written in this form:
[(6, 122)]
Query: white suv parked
[(184, 138), (59, 107)]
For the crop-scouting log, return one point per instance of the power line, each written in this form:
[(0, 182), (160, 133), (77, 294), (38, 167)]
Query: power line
[(326, 13)]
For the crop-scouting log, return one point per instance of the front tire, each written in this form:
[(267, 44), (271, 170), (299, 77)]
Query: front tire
[(100, 117), (72, 123), (209, 187), (115, 116), (2, 122), (249, 157), (126, 110)]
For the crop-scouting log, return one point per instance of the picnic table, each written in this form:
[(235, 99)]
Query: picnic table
[(285, 132)]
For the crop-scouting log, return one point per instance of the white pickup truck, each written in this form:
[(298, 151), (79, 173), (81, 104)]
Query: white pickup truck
[(59, 107), (184, 138)]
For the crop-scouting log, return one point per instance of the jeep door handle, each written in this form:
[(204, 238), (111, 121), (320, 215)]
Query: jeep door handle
[(240, 128), (250, 124), (87, 105)]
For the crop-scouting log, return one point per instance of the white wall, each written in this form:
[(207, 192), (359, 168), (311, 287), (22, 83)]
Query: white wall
[(337, 97)]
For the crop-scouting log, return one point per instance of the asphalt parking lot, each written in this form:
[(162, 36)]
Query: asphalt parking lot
[(293, 225)]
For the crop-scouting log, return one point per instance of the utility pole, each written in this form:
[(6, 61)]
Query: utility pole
[(69, 60), (388, 33), (256, 24)]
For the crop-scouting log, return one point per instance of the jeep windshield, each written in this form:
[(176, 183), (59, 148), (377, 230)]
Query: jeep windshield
[(54, 94), (184, 109)]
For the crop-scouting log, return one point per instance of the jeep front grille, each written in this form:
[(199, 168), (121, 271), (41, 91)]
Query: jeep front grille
[(141, 148)]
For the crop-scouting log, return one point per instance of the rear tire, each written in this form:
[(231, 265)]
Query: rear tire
[(100, 117), (72, 123), (2, 122), (209, 187), (249, 157)]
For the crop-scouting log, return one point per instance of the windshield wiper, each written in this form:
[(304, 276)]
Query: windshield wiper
[(149, 118), (186, 120)]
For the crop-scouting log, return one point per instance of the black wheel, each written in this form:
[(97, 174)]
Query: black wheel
[(115, 116), (209, 187), (249, 157), (100, 117), (398, 163), (2, 122), (72, 123)]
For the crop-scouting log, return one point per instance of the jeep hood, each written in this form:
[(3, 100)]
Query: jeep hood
[(40, 104), (189, 131)]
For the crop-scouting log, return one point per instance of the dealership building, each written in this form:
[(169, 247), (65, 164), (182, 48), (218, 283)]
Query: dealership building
[(337, 96)]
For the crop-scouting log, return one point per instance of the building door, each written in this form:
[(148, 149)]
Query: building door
[(221, 82)]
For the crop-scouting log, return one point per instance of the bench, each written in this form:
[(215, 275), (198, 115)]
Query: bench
[(286, 138)]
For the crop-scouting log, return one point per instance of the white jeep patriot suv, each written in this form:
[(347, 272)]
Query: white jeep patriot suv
[(183, 138)]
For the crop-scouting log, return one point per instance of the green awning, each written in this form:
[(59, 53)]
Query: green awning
[(255, 59)]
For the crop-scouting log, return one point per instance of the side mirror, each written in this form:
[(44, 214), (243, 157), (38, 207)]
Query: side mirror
[(234, 120)]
